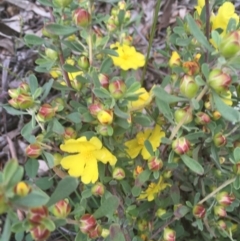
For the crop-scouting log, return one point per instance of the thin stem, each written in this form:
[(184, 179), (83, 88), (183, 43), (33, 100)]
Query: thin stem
[(210, 195), (232, 131), (90, 43), (207, 33), (153, 29)]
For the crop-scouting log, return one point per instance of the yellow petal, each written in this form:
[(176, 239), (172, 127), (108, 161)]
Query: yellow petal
[(155, 138), (74, 164), (96, 142), (104, 155), (71, 146), (90, 173), (145, 154), (133, 148)]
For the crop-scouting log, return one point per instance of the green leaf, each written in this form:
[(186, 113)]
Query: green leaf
[(236, 154), (31, 167), (86, 193), (70, 68), (108, 207), (106, 65), (32, 39), (46, 88), (148, 146), (81, 237), (205, 70), (33, 83), (37, 93), (192, 164), (183, 42), (236, 183), (59, 29), (64, 188), (47, 3), (17, 177), (226, 111), (49, 158), (133, 88), (9, 170), (175, 194), (161, 94), (165, 109), (216, 38), (49, 224), (19, 236), (143, 177), (101, 93), (10, 110), (120, 113), (44, 183), (6, 233), (197, 33), (18, 227), (142, 119), (136, 191), (74, 117), (26, 132), (116, 233), (34, 199), (57, 127), (110, 52)]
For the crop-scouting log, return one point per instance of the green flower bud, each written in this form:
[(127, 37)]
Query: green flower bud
[(183, 113), (117, 89), (199, 211), (104, 80), (37, 214), (83, 62), (218, 80), (155, 164), (62, 3), (46, 112), (202, 118), (98, 189), (102, 130), (118, 173), (230, 44), (24, 101), (69, 133), (219, 140), (58, 104), (220, 211), (188, 86), (40, 233), (169, 234), (61, 209), (236, 168), (225, 199), (51, 54)]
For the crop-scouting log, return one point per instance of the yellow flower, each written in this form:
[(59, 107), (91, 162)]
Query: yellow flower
[(143, 100), (153, 190), (227, 98), (175, 59), (199, 7), (128, 57), (136, 146), (225, 13), (22, 189), (84, 163), (55, 73), (72, 76)]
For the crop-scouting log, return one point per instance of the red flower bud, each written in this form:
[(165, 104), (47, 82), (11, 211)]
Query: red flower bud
[(40, 233), (87, 222), (98, 189), (185, 114), (202, 118), (61, 209), (220, 211), (95, 232), (199, 211), (117, 89), (169, 234), (118, 173), (81, 17), (46, 112), (222, 224), (22, 189), (188, 86), (230, 44), (225, 199), (155, 164), (95, 108), (24, 101), (219, 140), (69, 133), (219, 80), (181, 146), (24, 88), (216, 115), (33, 150), (36, 215), (104, 80), (191, 67), (13, 103)]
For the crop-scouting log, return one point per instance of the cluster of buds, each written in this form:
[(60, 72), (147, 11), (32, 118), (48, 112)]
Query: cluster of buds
[(36, 217), (219, 81), (46, 112), (61, 209), (181, 146), (113, 21), (81, 17), (21, 97), (89, 226)]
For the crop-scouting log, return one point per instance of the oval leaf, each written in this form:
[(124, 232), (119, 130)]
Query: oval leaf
[(59, 29), (192, 164)]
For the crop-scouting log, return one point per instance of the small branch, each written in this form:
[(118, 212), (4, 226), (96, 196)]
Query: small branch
[(90, 44), (210, 195), (207, 33)]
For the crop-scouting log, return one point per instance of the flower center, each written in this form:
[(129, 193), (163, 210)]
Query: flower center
[(140, 141), (88, 155)]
